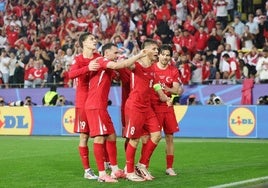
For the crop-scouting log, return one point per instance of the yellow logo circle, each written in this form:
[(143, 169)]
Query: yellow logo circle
[(242, 121), (16, 120), (180, 111), (68, 120)]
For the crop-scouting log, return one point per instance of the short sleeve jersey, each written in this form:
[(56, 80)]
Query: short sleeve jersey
[(141, 82), (99, 86), (80, 62), (165, 77)]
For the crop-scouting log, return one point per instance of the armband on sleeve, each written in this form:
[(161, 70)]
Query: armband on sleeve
[(157, 87)]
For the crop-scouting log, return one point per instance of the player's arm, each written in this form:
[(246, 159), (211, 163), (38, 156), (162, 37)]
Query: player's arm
[(76, 70), (176, 88), (126, 62)]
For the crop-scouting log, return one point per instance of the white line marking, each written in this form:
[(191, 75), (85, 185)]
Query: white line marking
[(240, 182)]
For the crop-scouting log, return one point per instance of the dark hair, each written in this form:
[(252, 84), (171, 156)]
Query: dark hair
[(226, 55), (82, 38), (148, 42), (107, 47), (165, 47)]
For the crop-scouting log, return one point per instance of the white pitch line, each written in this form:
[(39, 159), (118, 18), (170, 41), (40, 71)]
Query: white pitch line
[(240, 182)]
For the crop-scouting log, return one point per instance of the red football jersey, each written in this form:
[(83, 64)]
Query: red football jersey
[(79, 70), (141, 82)]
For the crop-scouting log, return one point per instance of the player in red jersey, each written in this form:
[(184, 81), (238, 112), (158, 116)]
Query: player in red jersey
[(139, 115), (101, 126), (80, 71), (167, 82)]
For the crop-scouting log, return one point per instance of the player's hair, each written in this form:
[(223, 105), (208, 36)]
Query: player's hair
[(82, 38), (165, 47), (107, 47), (148, 42)]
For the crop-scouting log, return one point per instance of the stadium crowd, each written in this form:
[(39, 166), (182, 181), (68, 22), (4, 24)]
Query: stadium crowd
[(211, 43)]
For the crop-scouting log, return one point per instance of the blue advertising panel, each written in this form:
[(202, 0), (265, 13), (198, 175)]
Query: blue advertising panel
[(205, 121)]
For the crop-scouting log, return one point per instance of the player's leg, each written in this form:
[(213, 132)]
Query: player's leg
[(133, 131), (170, 127), (112, 153), (81, 126), (169, 155)]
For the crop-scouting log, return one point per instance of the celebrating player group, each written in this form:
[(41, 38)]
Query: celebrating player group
[(149, 80)]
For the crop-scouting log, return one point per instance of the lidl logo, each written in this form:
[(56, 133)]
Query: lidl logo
[(180, 111), (69, 120), (242, 121), (16, 120)]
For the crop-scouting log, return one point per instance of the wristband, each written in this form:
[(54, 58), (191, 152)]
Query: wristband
[(157, 87)]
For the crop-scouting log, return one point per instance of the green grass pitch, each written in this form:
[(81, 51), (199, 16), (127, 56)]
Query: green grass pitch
[(51, 162)]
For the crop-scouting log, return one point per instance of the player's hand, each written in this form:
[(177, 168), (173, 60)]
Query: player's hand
[(170, 101), (94, 65)]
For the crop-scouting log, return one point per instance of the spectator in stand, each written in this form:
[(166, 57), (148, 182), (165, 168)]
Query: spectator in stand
[(4, 67), (188, 41), (11, 67), (230, 69), (164, 32), (218, 80), (262, 67), (253, 26), (231, 9), (238, 26), (185, 69), (19, 69), (192, 7), (214, 40), (65, 75), (38, 74), (50, 98), (27, 69), (247, 39), (196, 66), (260, 37), (209, 21), (206, 71), (251, 58), (231, 38), (57, 74), (202, 37), (181, 11), (221, 12)]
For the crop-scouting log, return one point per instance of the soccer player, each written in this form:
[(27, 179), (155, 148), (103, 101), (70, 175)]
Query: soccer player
[(167, 83), (139, 115), (101, 126), (80, 71)]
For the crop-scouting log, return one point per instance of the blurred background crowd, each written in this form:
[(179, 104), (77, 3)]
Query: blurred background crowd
[(214, 41)]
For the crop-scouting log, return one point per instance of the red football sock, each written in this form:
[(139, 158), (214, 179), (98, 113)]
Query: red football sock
[(112, 152), (143, 147), (148, 151), (83, 151), (99, 155), (169, 160), (126, 143), (106, 156), (130, 158)]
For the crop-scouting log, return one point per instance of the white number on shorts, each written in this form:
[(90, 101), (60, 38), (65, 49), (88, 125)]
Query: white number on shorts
[(132, 130), (82, 124)]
